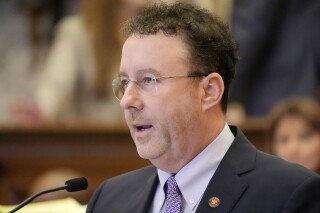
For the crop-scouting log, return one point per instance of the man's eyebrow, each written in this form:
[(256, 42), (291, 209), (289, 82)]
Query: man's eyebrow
[(121, 74), (141, 72)]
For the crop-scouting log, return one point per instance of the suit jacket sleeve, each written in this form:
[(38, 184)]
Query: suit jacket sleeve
[(93, 200), (306, 197)]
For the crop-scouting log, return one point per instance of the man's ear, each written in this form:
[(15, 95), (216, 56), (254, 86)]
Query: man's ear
[(213, 88)]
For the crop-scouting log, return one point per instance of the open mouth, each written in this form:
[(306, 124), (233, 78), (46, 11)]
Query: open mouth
[(142, 128)]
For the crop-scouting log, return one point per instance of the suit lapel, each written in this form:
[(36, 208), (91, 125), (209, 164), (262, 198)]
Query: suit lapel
[(227, 184), (142, 200)]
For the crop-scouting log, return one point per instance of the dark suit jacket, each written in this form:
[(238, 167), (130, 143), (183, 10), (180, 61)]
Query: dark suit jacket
[(246, 180)]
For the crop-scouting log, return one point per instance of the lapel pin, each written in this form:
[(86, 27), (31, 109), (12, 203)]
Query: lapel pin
[(214, 202)]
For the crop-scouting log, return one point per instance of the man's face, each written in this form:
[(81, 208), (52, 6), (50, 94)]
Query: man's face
[(161, 123)]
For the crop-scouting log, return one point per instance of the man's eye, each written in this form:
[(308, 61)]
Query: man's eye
[(148, 80), (124, 82)]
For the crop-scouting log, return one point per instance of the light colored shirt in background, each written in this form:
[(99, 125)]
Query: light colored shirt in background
[(65, 89), (18, 75)]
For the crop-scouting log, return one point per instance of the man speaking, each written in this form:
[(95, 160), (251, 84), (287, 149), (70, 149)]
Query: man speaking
[(176, 68)]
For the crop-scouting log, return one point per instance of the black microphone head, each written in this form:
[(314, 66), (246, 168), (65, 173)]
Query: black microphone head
[(76, 184)]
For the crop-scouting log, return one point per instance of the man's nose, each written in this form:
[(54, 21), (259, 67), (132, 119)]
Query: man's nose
[(131, 98)]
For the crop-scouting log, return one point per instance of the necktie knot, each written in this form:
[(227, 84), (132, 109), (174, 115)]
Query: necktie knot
[(173, 197)]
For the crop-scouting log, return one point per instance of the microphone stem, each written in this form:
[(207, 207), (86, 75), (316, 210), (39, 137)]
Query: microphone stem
[(28, 200)]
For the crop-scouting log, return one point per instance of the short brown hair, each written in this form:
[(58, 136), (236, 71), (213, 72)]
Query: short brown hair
[(212, 47)]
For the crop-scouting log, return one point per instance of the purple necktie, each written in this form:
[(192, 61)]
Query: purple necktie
[(173, 197)]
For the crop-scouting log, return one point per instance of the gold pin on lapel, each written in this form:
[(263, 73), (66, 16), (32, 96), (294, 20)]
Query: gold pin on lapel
[(214, 202)]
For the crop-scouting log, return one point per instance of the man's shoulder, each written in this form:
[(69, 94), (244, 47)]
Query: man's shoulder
[(135, 175), (277, 167), (132, 187), (296, 186), (284, 185), (130, 180), (253, 165)]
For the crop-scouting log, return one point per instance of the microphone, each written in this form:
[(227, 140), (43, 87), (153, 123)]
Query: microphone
[(72, 185)]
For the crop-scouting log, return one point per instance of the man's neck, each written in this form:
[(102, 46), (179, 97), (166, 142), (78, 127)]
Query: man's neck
[(200, 140)]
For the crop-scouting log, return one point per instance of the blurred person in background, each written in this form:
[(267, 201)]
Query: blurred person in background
[(26, 29), (81, 63), (279, 51), (295, 132)]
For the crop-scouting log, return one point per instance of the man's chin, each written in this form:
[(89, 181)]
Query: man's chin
[(147, 153)]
